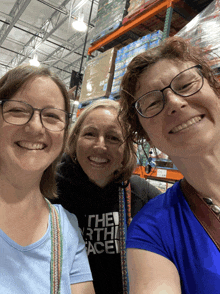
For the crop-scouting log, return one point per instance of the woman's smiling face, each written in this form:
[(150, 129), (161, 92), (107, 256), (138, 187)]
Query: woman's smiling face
[(186, 125), (31, 147), (100, 148)]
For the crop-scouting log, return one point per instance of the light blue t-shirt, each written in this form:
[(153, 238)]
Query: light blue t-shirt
[(167, 226), (26, 269)]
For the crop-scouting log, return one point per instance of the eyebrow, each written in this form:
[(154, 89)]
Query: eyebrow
[(111, 129)]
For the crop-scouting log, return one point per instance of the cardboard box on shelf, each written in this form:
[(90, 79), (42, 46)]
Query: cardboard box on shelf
[(98, 76)]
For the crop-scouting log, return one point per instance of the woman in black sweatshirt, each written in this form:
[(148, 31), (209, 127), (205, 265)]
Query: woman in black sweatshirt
[(95, 183)]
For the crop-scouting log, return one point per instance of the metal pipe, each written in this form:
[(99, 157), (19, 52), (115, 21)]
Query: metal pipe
[(84, 47), (53, 6)]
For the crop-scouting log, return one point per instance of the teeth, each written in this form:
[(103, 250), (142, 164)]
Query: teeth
[(31, 146), (98, 159), (185, 125)]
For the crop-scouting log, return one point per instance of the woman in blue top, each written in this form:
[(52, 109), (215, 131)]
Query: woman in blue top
[(41, 247), (171, 96)]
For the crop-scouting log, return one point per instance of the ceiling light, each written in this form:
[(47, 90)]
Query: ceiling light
[(34, 61), (79, 24)]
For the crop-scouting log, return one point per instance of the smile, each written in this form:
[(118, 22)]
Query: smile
[(187, 124), (31, 146), (98, 159)]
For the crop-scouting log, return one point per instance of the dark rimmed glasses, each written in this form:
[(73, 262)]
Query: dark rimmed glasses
[(185, 84), (20, 113)]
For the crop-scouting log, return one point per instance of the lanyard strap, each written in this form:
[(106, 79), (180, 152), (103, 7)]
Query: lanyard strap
[(207, 218), (124, 197), (56, 250)]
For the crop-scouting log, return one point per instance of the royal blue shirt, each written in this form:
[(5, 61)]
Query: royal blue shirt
[(167, 226)]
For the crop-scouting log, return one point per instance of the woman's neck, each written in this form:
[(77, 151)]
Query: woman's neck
[(203, 173), (19, 188)]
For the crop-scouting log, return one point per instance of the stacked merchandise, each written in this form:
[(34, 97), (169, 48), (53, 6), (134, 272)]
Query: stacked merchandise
[(98, 76), (160, 160), (162, 186), (109, 17), (204, 30), (136, 5), (127, 53), (142, 155)]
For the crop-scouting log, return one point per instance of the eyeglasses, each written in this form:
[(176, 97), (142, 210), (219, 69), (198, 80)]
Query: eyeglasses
[(20, 113), (185, 84)]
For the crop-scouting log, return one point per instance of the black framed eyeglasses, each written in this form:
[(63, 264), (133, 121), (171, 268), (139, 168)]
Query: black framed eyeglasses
[(185, 84), (20, 113)]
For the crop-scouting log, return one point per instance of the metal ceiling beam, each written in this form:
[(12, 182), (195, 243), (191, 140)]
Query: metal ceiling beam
[(17, 10), (59, 50), (69, 67), (57, 53), (59, 46), (53, 6), (44, 32), (32, 45), (34, 29), (10, 50), (58, 9)]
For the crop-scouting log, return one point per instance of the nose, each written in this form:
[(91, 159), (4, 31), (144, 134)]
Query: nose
[(100, 143), (35, 124), (174, 102)]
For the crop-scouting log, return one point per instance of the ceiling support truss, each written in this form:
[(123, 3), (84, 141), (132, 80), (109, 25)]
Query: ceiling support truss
[(15, 13), (48, 28)]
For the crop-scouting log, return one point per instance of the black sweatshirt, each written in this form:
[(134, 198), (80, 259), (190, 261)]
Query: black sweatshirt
[(97, 212)]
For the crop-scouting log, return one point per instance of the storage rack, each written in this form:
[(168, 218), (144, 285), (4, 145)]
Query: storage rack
[(138, 19), (129, 23), (164, 175)]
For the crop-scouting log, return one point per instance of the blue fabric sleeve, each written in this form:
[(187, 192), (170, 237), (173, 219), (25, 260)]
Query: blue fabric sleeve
[(145, 231), (167, 226)]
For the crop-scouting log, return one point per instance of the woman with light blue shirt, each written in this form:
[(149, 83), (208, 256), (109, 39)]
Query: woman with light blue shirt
[(41, 247)]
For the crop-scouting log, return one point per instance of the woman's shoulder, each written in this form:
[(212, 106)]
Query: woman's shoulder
[(157, 216), (65, 167), (164, 203), (70, 172), (143, 189), (67, 219)]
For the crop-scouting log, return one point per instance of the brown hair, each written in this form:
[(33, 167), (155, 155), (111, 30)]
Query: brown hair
[(173, 48), (129, 161), (10, 84)]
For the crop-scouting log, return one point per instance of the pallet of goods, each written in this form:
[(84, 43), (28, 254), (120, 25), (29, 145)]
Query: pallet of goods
[(137, 7), (204, 30), (127, 53), (109, 18)]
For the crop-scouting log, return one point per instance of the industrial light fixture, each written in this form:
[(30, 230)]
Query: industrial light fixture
[(79, 24), (34, 61)]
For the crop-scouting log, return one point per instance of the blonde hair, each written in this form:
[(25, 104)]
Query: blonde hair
[(129, 160)]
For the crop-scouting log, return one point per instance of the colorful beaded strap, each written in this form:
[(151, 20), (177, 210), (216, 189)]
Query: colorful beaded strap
[(124, 221), (56, 250)]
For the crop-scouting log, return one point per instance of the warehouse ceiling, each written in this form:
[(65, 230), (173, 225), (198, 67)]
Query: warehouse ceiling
[(43, 28)]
